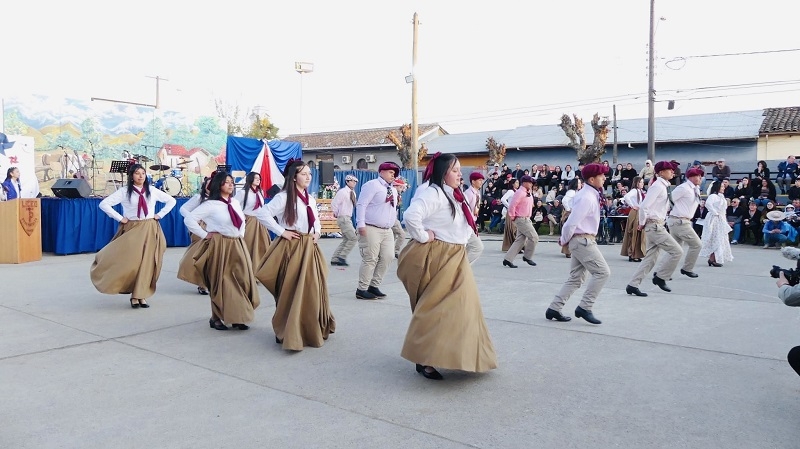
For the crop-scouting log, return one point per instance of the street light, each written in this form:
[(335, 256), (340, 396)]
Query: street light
[(301, 68)]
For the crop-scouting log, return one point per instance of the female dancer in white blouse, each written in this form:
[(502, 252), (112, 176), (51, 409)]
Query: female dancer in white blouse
[(256, 237), (222, 259), (447, 328), (510, 230), (186, 269), (294, 269), (714, 243), (131, 261), (633, 239)]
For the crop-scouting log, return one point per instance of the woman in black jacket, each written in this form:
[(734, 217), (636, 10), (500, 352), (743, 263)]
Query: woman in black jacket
[(761, 170), (555, 177), (539, 214), (628, 174)]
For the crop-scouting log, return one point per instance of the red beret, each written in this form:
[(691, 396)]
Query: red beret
[(665, 165), (475, 175), (390, 166), (694, 172), (527, 178), (592, 170)]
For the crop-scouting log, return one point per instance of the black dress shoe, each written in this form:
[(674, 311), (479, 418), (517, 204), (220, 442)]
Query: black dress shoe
[(278, 340), (364, 294), (433, 374), (134, 305), (376, 292), (145, 305), (218, 325), (556, 315), (691, 274), (580, 312), (631, 259), (713, 264), (240, 326), (662, 284), (508, 264), (202, 290), (420, 368), (529, 262), (631, 290)]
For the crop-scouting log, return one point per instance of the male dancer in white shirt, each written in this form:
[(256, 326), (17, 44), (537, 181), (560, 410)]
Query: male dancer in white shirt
[(342, 206), (580, 232), (473, 196), (375, 216), (652, 213), (686, 198)]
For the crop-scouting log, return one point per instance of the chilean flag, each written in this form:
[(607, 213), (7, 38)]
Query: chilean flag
[(265, 166)]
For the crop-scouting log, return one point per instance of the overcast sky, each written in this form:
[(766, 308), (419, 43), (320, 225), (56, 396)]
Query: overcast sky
[(481, 66)]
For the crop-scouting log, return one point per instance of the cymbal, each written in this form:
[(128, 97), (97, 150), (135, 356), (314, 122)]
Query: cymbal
[(159, 167), (183, 163), (144, 159)]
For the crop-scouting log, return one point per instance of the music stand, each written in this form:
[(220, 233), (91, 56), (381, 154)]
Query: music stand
[(225, 167), (120, 167)]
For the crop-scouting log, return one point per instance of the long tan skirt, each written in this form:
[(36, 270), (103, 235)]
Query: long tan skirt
[(447, 328), (256, 238), (131, 261), (296, 273), (633, 241), (186, 270), (509, 234), (565, 249), (224, 265)]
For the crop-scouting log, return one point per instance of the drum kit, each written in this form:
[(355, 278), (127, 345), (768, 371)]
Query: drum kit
[(172, 180)]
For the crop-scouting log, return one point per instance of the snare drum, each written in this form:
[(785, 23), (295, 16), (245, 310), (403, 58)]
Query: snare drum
[(172, 186), (176, 172)]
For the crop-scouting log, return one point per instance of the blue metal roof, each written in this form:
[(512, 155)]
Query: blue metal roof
[(741, 125)]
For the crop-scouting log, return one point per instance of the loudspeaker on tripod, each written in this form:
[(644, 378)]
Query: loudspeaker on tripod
[(326, 173), (72, 188)]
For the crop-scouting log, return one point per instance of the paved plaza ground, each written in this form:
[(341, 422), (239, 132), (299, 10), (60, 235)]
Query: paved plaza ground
[(701, 367)]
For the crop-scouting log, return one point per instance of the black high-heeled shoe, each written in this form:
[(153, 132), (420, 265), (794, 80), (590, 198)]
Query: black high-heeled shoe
[(213, 324), (134, 306), (143, 305), (240, 326), (508, 264), (713, 264), (202, 291), (433, 374), (278, 340)]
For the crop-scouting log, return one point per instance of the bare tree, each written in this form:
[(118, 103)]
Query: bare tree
[(586, 154), (497, 152), (401, 138)]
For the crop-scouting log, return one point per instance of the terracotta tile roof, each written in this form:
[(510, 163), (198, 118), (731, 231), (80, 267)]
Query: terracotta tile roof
[(375, 137), (780, 121)]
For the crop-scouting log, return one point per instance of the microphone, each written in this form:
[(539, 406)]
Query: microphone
[(790, 253)]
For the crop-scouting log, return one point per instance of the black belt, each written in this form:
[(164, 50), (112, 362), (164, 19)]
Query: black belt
[(379, 227)]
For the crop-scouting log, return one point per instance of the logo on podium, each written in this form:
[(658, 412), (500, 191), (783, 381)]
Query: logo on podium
[(29, 218)]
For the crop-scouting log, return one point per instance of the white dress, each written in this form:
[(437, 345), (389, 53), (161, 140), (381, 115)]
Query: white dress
[(716, 229)]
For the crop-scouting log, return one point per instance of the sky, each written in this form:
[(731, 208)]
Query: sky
[(480, 66)]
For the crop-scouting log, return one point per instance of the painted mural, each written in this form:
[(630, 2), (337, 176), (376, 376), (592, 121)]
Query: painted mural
[(81, 139)]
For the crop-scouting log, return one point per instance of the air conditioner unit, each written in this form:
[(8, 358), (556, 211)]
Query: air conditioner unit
[(371, 158), (347, 159)]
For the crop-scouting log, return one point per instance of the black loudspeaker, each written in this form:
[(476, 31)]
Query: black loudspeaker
[(273, 190), (326, 173), (72, 188)]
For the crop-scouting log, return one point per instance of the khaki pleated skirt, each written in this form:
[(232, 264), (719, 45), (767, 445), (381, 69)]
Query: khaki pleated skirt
[(509, 233), (131, 261), (565, 249), (633, 241), (224, 265), (186, 270), (296, 273), (447, 328), (256, 238)]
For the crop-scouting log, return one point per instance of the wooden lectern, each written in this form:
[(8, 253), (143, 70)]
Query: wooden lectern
[(21, 230)]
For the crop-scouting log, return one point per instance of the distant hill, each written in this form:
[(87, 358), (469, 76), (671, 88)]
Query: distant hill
[(66, 128)]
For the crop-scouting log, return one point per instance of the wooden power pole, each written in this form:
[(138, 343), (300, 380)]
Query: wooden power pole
[(614, 153), (414, 124)]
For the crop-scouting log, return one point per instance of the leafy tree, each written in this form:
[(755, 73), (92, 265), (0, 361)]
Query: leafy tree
[(497, 152), (402, 140), (14, 124), (587, 154), (261, 128)]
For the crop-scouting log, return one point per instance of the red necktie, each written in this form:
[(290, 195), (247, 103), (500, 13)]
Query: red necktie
[(235, 218), (142, 207), (309, 213), (459, 196), (257, 193)]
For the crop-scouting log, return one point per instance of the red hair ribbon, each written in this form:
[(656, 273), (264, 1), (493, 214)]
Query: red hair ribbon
[(426, 175)]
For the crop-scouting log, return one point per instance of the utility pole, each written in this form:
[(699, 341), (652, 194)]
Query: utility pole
[(651, 91), (614, 153), (414, 124), (158, 97)]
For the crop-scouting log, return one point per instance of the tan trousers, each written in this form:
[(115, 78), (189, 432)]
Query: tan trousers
[(681, 230), (349, 237), (377, 251), (526, 236), (586, 256), (399, 236), (657, 238), (474, 248)]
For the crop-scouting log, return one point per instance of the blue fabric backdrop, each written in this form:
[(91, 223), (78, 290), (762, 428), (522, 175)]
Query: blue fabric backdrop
[(241, 152), (72, 226)]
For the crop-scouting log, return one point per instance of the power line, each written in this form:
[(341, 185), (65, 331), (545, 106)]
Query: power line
[(734, 54)]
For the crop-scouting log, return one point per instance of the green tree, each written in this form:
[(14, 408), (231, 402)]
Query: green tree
[(14, 124), (262, 128)]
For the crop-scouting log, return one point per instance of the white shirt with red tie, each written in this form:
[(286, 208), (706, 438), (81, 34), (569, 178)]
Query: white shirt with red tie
[(130, 205)]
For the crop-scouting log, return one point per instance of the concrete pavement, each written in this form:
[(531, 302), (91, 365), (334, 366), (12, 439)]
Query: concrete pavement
[(701, 367)]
